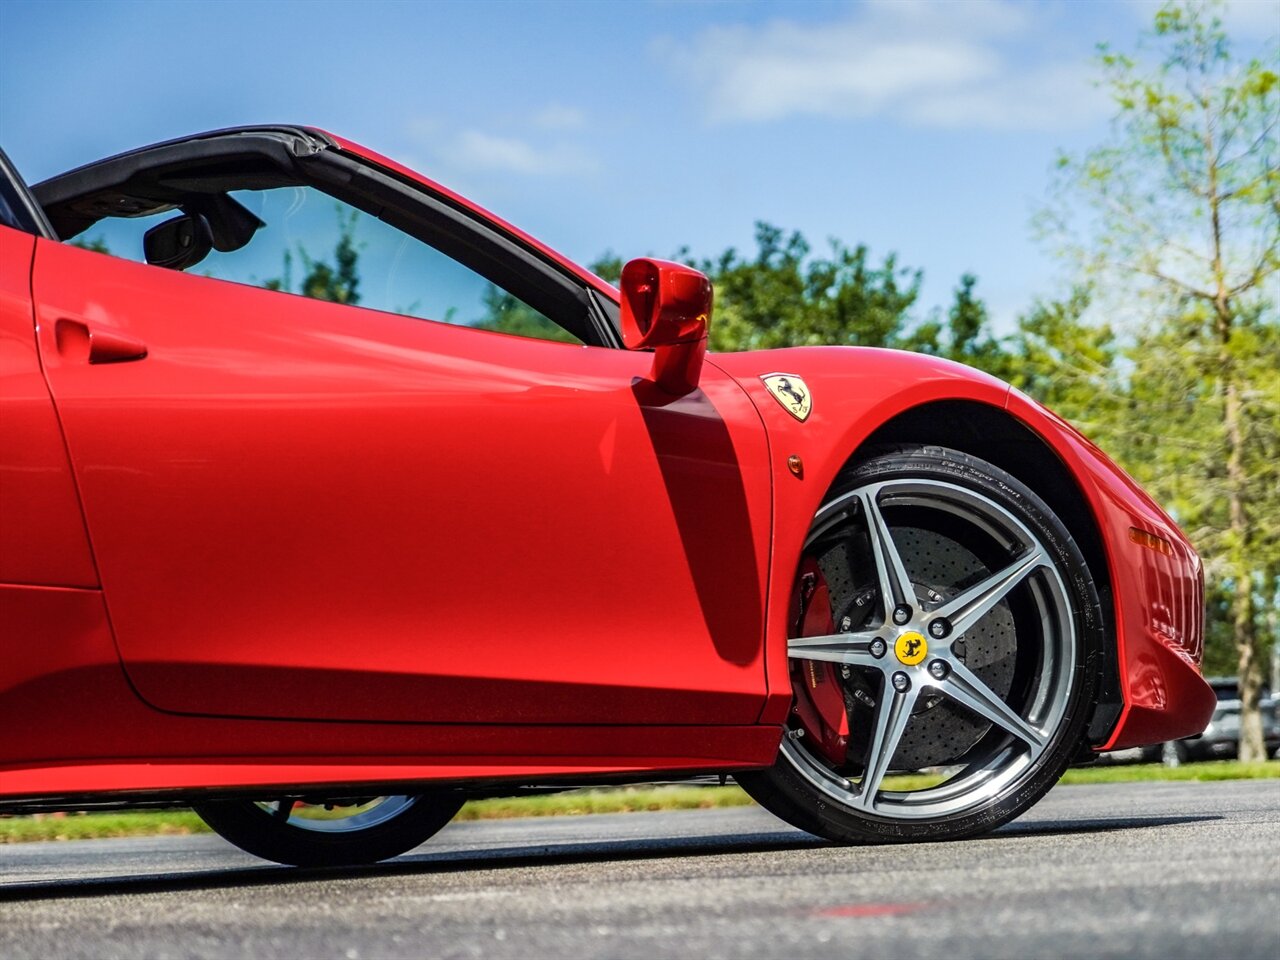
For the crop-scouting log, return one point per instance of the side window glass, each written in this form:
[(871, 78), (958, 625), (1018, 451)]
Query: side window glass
[(315, 246), (18, 208)]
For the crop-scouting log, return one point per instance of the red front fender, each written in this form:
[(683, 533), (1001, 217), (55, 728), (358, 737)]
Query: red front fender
[(1158, 612)]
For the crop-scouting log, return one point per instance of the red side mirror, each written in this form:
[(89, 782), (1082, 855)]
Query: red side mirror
[(666, 307)]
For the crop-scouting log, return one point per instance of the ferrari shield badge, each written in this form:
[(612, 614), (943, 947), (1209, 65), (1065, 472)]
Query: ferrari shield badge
[(792, 392)]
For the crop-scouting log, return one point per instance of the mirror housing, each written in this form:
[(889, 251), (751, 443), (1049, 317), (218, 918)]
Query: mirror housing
[(178, 243), (666, 307)]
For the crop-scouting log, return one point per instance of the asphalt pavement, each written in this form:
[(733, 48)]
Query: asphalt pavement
[(1160, 870)]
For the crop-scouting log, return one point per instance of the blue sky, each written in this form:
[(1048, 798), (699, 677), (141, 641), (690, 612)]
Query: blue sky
[(926, 128)]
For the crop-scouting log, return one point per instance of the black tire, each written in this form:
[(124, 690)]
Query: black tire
[(258, 831), (792, 789)]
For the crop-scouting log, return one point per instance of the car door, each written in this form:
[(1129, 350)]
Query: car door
[(309, 509), (42, 537)]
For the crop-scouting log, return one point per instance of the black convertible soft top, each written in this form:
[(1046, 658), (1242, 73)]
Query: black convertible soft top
[(198, 173), (166, 175)]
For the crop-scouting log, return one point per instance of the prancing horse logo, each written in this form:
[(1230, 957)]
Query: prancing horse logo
[(790, 391), (910, 647)]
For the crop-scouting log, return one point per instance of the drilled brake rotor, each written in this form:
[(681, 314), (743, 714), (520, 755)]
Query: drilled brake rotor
[(940, 731)]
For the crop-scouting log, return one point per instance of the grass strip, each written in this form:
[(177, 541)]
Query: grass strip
[(606, 800), (98, 826), (150, 823), (1209, 770)]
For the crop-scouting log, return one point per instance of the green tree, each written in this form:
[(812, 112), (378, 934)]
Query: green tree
[(1181, 230), (966, 337), (96, 244), (784, 296), (506, 314), (1071, 365), (337, 281), (607, 267)]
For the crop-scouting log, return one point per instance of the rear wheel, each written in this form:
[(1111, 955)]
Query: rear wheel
[(943, 630), (330, 832)]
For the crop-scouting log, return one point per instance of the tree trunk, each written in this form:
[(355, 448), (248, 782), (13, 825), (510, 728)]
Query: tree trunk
[(1271, 633), (1252, 745)]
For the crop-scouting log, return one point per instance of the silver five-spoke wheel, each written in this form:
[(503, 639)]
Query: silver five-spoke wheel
[(935, 653), (336, 816)]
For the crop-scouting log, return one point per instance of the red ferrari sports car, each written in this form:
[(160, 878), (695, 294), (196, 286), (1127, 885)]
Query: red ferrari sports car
[(464, 520)]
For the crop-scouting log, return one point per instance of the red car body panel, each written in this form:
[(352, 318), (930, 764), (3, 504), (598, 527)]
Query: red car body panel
[(1158, 597), (335, 513), (338, 546), (99, 735), (43, 540)]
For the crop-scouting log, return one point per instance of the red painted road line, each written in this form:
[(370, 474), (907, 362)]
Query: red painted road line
[(869, 909)]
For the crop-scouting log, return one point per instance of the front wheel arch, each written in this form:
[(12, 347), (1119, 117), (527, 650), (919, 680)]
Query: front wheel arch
[(991, 434)]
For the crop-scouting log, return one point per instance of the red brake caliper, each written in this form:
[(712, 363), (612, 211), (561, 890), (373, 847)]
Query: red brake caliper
[(820, 704)]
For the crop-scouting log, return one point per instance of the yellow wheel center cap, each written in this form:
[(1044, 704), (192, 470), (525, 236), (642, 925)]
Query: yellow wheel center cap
[(911, 648)]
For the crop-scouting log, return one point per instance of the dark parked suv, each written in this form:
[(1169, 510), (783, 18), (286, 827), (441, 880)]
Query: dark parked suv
[(1220, 739)]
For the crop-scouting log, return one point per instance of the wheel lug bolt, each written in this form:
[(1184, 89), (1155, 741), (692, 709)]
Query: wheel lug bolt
[(901, 614), (878, 648), (939, 670), (901, 682), (939, 628)]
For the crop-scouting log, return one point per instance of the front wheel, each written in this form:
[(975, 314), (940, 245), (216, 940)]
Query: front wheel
[(330, 832), (944, 628)]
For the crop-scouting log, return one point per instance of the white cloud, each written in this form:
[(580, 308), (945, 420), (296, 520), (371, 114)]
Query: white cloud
[(992, 18), (425, 129), (1257, 19), (1051, 97), (930, 62), (473, 149), (557, 116)]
